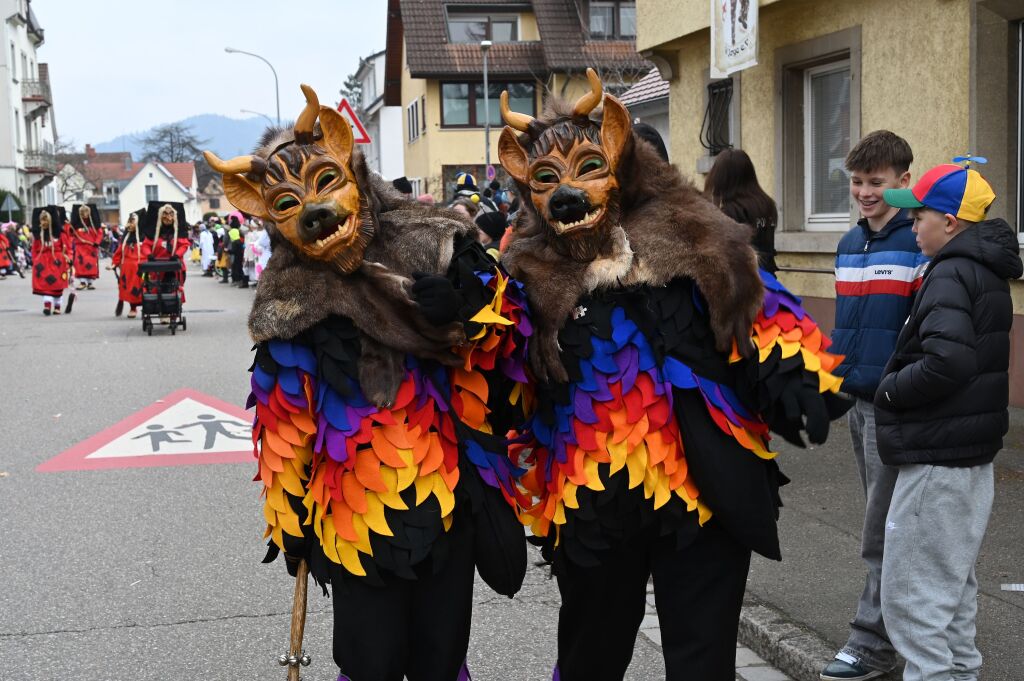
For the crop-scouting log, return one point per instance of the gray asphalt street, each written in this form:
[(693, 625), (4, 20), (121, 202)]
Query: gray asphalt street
[(154, 573), (147, 573)]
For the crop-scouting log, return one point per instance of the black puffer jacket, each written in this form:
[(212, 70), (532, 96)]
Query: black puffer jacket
[(944, 393)]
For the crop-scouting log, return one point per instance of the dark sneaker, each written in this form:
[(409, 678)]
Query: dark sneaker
[(848, 668)]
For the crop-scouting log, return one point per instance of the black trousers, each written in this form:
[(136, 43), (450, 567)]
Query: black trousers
[(698, 592), (413, 629)]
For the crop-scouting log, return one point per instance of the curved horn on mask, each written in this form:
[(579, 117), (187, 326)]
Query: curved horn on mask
[(520, 122), (304, 124), (236, 166), (586, 103)]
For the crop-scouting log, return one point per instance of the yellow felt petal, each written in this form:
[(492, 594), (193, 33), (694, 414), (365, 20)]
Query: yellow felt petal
[(350, 558), (374, 515), (488, 316), (593, 478)]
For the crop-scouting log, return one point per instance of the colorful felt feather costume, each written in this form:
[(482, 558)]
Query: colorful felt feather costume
[(390, 354), (664, 359)]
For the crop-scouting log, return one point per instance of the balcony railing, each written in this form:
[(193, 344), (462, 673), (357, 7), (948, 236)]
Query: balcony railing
[(36, 91), (40, 162)]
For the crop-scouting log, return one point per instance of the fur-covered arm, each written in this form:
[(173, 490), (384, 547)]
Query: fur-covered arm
[(686, 236)]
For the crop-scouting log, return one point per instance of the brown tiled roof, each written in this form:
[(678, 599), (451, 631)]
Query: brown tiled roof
[(647, 89), (430, 54), (562, 46), (111, 171), (182, 172)]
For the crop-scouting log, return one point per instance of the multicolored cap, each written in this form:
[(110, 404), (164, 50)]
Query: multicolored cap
[(948, 188)]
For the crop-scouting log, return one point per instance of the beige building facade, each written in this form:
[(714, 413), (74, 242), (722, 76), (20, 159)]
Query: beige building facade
[(434, 72), (943, 74)]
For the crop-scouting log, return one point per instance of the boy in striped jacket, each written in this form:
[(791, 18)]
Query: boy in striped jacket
[(878, 269)]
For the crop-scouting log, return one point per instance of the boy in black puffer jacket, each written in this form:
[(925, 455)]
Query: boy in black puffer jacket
[(941, 413)]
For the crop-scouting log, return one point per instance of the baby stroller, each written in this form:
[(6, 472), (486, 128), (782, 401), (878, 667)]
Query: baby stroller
[(163, 271), (160, 295)]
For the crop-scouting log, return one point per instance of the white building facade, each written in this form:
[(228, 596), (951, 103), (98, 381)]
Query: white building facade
[(27, 134), (154, 182), (385, 153)]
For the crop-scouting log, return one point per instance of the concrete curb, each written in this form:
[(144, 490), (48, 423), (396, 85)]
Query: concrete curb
[(794, 649)]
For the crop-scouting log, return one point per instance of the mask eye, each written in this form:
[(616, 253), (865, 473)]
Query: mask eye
[(325, 179), (285, 202), (545, 176), (590, 165)]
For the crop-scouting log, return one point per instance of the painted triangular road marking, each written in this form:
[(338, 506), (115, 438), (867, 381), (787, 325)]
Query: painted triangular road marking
[(358, 131), (184, 428)]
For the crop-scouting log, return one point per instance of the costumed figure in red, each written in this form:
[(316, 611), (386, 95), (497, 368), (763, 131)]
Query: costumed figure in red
[(389, 365), (166, 233), (51, 257), (87, 234), (126, 259), (5, 255), (663, 358)]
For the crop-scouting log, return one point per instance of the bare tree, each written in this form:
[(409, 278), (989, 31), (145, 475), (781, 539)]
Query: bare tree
[(172, 143)]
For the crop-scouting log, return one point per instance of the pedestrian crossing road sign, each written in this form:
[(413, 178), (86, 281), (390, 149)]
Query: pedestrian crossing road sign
[(186, 427)]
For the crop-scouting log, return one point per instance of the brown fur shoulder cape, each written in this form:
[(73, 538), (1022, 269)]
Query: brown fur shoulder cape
[(667, 230), (296, 293)]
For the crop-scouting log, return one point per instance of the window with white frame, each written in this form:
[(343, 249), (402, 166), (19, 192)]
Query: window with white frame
[(417, 185), (412, 120), (817, 116), (826, 144), (152, 192)]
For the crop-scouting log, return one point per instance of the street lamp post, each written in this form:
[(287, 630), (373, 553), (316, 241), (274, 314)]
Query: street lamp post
[(277, 96), (257, 113), (485, 45)]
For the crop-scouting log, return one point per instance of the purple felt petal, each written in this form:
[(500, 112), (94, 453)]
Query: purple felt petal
[(514, 369), (602, 393), (583, 406), (336, 445), (770, 307), (632, 368)]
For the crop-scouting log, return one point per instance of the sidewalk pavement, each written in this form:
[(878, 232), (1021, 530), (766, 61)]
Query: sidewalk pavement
[(796, 612)]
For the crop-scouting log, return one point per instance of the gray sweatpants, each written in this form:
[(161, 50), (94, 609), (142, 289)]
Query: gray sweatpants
[(868, 639), (936, 523)]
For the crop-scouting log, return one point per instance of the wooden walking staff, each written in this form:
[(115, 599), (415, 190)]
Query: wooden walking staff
[(295, 656)]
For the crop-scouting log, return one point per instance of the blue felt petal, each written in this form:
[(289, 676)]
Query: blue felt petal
[(334, 409), (588, 383), (289, 381), (281, 351), (678, 374), (304, 358), (646, 361), (265, 380)]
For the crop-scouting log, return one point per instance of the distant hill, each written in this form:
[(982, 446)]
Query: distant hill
[(227, 136)]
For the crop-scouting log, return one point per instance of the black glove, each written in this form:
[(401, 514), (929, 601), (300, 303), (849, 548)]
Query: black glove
[(807, 404), (151, 257), (438, 300)]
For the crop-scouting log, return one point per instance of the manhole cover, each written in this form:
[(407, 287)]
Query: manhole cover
[(189, 310)]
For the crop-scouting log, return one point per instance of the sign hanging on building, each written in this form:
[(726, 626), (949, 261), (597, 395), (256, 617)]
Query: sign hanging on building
[(733, 36)]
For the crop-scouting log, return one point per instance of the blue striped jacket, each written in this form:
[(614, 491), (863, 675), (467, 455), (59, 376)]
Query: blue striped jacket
[(877, 275)]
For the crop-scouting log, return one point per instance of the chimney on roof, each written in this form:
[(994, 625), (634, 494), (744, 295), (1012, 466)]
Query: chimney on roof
[(127, 162), (89, 151)]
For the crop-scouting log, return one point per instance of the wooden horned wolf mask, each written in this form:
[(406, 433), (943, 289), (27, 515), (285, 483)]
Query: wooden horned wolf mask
[(302, 181), (566, 163)]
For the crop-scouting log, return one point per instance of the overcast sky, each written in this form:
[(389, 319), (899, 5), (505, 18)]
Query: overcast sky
[(122, 66)]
